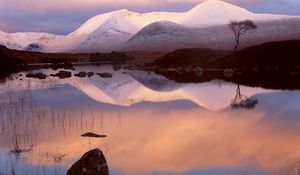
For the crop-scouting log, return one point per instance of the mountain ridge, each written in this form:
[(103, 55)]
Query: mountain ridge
[(112, 30)]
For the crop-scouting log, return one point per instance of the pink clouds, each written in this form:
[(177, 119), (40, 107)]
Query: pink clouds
[(44, 5)]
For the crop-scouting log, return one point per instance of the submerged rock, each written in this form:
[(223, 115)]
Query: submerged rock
[(91, 163), (90, 74), (199, 71), (81, 74), (61, 65), (229, 73), (38, 75), (117, 67), (105, 75), (63, 74), (90, 134)]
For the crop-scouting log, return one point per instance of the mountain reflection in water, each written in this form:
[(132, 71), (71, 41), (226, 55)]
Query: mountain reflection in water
[(151, 127)]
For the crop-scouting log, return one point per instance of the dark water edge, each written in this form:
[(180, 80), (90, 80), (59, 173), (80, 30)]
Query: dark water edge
[(264, 78), (274, 65)]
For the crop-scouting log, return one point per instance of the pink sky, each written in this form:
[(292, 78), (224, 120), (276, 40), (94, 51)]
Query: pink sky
[(43, 5)]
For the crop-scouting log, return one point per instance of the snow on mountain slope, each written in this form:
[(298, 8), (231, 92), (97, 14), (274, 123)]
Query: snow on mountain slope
[(111, 31), (83, 33), (161, 36), (21, 40), (116, 30), (213, 12), (217, 12), (136, 19), (155, 38), (159, 28), (103, 32)]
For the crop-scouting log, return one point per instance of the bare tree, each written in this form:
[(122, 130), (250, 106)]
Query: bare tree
[(240, 28)]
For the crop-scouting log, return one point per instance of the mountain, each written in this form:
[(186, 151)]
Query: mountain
[(214, 37), (124, 30), (161, 36), (20, 41), (216, 12), (111, 31), (213, 12), (117, 29)]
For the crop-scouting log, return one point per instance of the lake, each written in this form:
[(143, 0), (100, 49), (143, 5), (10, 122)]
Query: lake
[(154, 126)]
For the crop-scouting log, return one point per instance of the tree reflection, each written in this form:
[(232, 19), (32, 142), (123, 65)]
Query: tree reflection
[(242, 101)]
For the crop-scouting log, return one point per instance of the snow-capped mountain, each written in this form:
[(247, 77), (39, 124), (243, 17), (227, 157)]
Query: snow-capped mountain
[(213, 12), (169, 36), (216, 12), (116, 30), (20, 40), (111, 31)]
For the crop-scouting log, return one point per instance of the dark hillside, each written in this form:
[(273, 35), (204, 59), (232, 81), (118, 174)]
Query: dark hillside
[(280, 54), (283, 54), (193, 56)]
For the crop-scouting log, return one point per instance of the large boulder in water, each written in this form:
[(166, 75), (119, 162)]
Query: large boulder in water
[(91, 163)]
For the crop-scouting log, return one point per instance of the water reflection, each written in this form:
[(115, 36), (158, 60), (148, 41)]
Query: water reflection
[(138, 86), (160, 136), (242, 101)]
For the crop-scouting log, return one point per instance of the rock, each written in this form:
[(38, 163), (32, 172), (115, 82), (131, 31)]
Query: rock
[(229, 73), (105, 75), (199, 71), (91, 163), (63, 74), (117, 67), (38, 75), (61, 65), (81, 74), (90, 74), (90, 134)]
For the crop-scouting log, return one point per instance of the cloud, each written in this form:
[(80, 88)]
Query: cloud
[(45, 5), (14, 19)]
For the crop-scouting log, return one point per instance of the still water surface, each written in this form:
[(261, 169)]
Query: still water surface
[(155, 126)]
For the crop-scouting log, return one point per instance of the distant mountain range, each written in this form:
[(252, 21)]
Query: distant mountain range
[(203, 26)]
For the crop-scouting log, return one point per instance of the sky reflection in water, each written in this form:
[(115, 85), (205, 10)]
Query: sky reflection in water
[(166, 136)]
